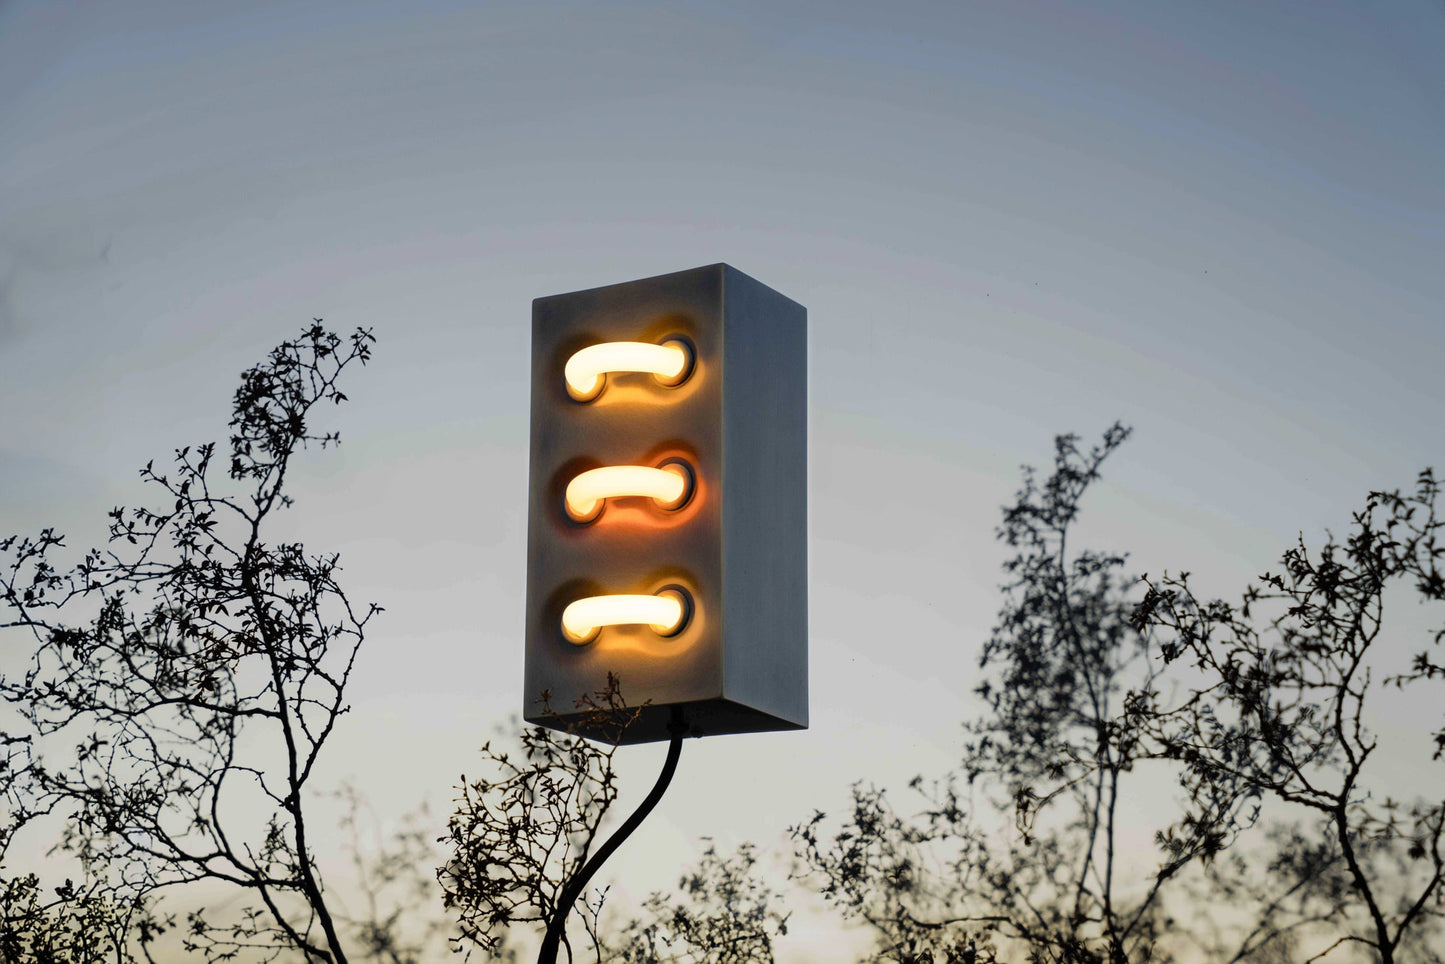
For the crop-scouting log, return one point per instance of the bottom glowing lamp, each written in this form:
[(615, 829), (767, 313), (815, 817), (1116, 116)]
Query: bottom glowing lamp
[(667, 611)]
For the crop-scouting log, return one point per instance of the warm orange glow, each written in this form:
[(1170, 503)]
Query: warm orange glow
[(586, 370), (665, 612), (669, 485)]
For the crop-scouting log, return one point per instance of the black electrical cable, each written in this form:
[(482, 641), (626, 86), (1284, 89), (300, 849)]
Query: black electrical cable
[(558, 925)]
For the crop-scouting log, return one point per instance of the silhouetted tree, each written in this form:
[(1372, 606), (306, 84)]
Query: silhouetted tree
[(400, 919), (939, 881), (519, 834), (722, 913), (1292, 883), (1279, 711), (72, 924), (155, 656), (519, 837), (1055, 750)]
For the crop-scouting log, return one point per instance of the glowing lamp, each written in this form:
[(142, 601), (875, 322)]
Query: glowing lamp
[(669, 486), (666, 612), (670, 363)]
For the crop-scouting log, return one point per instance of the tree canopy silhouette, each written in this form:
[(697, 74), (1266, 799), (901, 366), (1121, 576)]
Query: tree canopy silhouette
[(1280, 713), (153, 658), (184, 681), (1088, 696), (942, 882), (521, 834)]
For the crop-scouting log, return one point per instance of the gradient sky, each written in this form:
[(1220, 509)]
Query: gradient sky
[(1222, 223)]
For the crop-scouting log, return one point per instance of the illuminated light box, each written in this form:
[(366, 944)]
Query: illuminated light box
[(667, 506)]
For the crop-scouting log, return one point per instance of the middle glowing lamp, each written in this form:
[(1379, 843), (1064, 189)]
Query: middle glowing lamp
[(669, 485)]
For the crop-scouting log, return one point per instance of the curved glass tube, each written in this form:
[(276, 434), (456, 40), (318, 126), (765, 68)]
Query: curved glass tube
[(665, 612), (585, 371), (669, 485)]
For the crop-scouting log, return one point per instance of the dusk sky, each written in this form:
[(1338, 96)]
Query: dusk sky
[(1220, 223)]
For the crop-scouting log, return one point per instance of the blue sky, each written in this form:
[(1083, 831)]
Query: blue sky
[(1221, 223)]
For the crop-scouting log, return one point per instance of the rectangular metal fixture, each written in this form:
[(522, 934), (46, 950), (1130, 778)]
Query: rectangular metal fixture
[(695, 382)]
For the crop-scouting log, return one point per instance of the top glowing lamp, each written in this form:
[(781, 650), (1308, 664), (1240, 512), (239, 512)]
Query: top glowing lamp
[(586, 371)]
